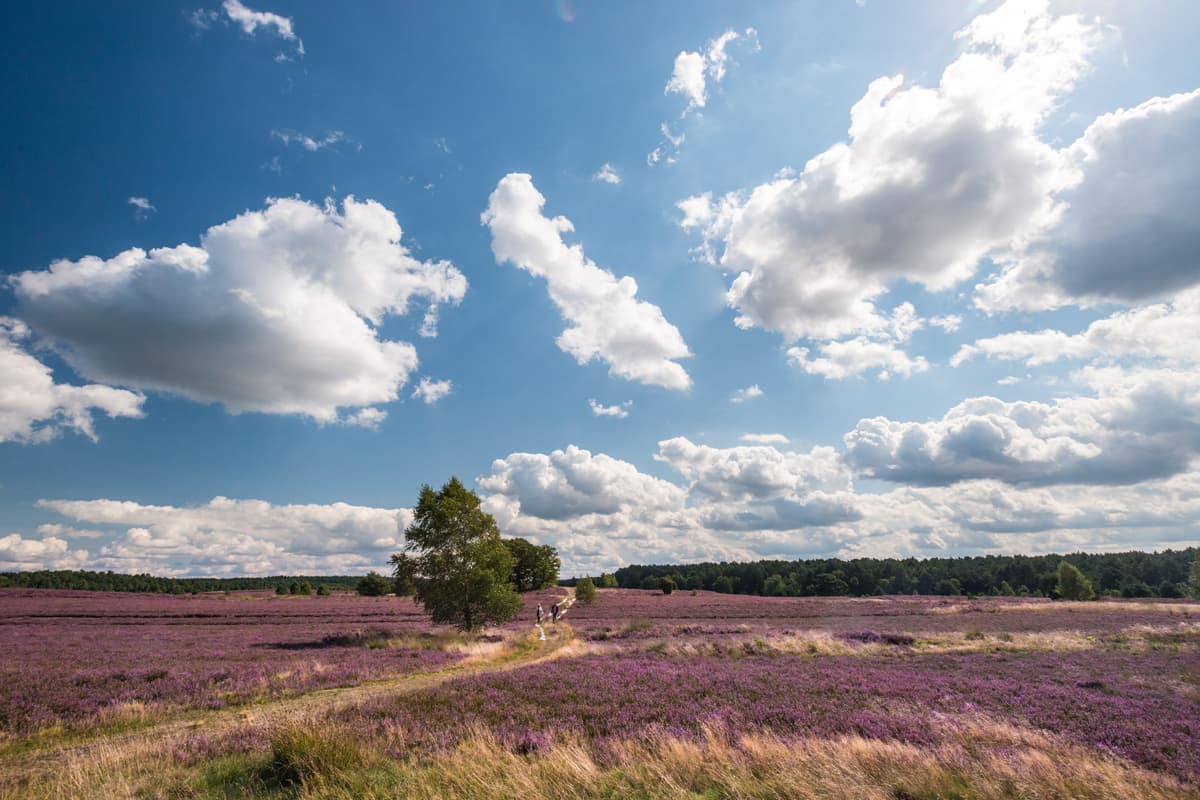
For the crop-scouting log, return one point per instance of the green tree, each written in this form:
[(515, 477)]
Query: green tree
[(667, 584), (1073, 584), (281, 589), (462, 567), (608, 580), (585, 591), (373, 585), (775, 586), (404, 573), (305, 588), (534, 566), (1194, 578), (322, 591)]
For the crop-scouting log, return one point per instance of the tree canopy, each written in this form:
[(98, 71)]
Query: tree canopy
[(534, 566), (461, 567)]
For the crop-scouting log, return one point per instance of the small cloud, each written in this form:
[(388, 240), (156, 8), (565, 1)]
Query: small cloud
[(620, 412), (202, 18), (250, 21), (1010, 380), (440, 144), (607, 174), (309, 143), (429, 392), (749, 393), (764, 438), (370, 418), (273, 166), (949, 323), (142, 208)]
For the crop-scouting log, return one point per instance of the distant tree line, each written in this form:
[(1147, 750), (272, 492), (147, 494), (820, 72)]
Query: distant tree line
[(1129, 574), (118, 582)]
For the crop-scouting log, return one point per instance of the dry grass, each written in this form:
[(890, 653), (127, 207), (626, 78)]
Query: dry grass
[(978, 759), (1136, 638)]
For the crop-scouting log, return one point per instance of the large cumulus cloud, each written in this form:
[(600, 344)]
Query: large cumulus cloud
[(276, 311), (930, 181), (1137, 426), (34, 408)]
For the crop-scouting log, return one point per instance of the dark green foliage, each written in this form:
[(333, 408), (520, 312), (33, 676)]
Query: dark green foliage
[(1194, 578), (373, 585), (1073, 584), (667, 585), (404, 575), (294, 587), (305, 588), (117, 582), (1033, 576), (462, 566), (534, 566), (608, 581), (651, 582), (322, 591), (585, 591)]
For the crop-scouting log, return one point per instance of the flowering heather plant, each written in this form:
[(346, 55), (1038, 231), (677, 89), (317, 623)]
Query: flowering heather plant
[(1143, 712), (85, 657)]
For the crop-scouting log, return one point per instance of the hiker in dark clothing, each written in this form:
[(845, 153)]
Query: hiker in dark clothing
[(539, 614), (554, 612)]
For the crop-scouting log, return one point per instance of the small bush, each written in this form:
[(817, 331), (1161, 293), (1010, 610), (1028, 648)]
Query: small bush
[(300, 756), (974, 635), (322, 591), (585, 591), (373, 585), (667, 584)]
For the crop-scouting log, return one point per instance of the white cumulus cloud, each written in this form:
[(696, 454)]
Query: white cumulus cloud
[(35, 409), (430, 391), (606, 320), (1128, 232), (276, 311), (250, 20), (619, 411), (930, 181), (238, 537), (746, 393), (1138, 425), (607, 174)]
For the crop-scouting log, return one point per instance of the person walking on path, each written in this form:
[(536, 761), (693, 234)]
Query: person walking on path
[(554, 613), (540, 614)]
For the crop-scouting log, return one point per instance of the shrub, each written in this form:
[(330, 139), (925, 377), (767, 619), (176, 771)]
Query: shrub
[(300, 756), (281, 589), (1073, 584), (322, 591), (608, 581), (373, 585), (585, 591), (667, 585)]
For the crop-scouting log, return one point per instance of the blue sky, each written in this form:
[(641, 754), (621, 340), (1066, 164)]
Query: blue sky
[(729, 282)]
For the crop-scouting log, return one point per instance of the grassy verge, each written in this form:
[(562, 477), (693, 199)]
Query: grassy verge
[(977, 760)]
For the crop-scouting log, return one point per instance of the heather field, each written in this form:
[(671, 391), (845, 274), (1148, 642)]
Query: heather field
[(639, 694)]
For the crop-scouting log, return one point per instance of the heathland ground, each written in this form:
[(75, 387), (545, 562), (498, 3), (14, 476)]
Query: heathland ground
[(639, 694)]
